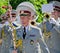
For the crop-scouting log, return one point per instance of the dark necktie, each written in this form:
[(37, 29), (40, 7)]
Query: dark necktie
[(24, 33)]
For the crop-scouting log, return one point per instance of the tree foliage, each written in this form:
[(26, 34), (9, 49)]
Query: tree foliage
[(3, 3), (15, 3)]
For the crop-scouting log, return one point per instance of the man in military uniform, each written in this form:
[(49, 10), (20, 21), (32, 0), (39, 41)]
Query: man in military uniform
[(45, 26), (30, 37), (5, 39), (2, 21), (54, 35), (54, 44), (7, 35), (51, 29)]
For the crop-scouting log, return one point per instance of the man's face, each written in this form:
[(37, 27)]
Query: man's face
[(13, 17), (25, 18), (55, 14)]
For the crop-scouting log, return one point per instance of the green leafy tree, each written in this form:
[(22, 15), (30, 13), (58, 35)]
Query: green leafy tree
[(15, 3), (38, 5), (3, 3)]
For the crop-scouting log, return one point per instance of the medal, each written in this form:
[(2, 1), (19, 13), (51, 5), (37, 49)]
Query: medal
[(31, 42)]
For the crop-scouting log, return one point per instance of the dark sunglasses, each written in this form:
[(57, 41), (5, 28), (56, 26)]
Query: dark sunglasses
[(13, 15), (24, 14)]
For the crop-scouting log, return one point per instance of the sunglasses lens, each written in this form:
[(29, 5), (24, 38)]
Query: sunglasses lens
[(24, 14)]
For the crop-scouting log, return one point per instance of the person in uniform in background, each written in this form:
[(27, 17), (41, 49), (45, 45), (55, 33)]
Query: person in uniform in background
[(54, 44), (6, 39), (51, 29), (2, 21), (45, 26), (12, 25), (30, 37), (7, 34)]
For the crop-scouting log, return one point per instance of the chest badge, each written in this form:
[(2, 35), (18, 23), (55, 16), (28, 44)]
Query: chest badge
[(31, 42)]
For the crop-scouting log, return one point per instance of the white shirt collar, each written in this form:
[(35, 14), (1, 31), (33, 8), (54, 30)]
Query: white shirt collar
[(27, 27)]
